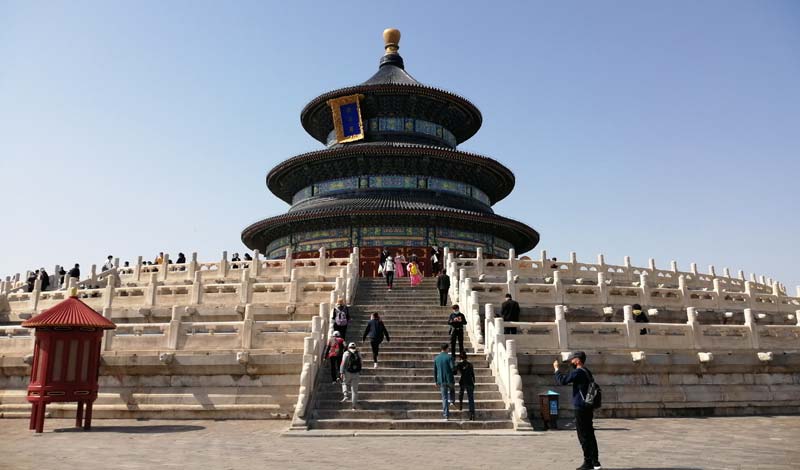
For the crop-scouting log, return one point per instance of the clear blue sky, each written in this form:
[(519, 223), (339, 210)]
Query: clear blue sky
[(666, 129)]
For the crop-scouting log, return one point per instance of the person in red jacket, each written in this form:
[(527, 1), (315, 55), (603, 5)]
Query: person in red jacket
[(334, 351)]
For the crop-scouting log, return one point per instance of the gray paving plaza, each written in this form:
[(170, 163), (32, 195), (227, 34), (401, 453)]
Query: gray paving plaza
[(653, 444)]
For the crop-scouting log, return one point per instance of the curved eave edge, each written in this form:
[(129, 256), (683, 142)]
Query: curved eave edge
[(344, 217), (321, 100), (318, 156)]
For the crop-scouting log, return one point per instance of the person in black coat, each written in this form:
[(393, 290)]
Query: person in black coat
[(457, 322), (640, 316), (376, 332), (436, 259), (75, 271), (510, 312), (443, 284), (466, 383), (45, 279), (384, 255)]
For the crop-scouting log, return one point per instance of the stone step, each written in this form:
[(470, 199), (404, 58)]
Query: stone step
[(455, 414), (403, 405), (421, 357), (401, 387), (409, 424), (391, 372), (426, 380), (433, 394)]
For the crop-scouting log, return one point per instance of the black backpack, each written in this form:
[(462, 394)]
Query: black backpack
[(594, 394), (354, 363)]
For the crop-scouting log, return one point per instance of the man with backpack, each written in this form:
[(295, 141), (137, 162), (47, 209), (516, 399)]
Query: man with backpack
[(334, 351), (585, 398), (340, 317), (350, 373)]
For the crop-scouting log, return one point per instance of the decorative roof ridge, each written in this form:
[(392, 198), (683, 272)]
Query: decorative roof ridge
[(358, 148)]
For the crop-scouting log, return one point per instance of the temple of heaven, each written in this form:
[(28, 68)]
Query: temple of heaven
[(390, 176)]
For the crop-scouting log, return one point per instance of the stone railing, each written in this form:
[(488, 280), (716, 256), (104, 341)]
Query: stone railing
[(598, 287), (538, 283), (561, 335), (314, 345), (501, 354), (178, 335)]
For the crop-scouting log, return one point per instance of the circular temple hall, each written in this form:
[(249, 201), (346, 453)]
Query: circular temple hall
[(390, 176)]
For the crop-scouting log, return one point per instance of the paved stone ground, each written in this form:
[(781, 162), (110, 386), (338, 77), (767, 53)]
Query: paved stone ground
[(652, 444)]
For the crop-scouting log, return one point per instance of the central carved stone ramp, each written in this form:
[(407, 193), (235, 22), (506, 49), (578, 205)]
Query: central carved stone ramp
[(401, 394)]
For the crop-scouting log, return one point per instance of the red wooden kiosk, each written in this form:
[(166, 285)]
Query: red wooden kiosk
[(66, 359)]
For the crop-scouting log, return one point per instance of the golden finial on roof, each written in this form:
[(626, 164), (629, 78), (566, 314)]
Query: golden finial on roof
[(391, 40), (73, 291)]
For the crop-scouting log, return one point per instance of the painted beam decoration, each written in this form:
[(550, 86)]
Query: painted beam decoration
[(347, 118)]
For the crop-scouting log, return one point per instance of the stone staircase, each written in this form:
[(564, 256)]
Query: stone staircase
[(401, 394)]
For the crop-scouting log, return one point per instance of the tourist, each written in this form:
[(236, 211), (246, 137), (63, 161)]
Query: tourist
[(350, 373), (445, 382), (75, 272), (399, 265), (382, 265), (466, 383), (414, 272), (443, 284), (181, 259), (160, 258), (127, 264), (456, 321), (340, 317), (109, 264), (580, 377), (510, 312), (31, 281), (235, 257), (334, 351), (640, 316), (436, 259), (247, 257), (388, 271), (45, 279), (61, 274), (376, 332)]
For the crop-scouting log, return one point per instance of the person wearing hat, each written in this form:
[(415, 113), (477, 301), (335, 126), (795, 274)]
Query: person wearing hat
[(580, 377), (334, 351), (350, 373), (639, 316)]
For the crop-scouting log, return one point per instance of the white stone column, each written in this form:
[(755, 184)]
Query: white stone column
[(691, 320), (288, 263), (693, 269), (562, 328), (151, 291), (558, 286), (223, 265), (684, 290), (630, 326), (673, 265), (511, 287), (197, 289), (192, 268), (165, 267), (602, 288), (479, 264), (246, 289), (137, 270), (711, 271), (512, 259), (750, 323), (293, 286), (321, 266), (174, 328), (108, 295), (651, 264), (255, 266)]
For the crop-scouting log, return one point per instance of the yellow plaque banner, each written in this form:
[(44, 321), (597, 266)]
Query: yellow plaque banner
[(347, 118)]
